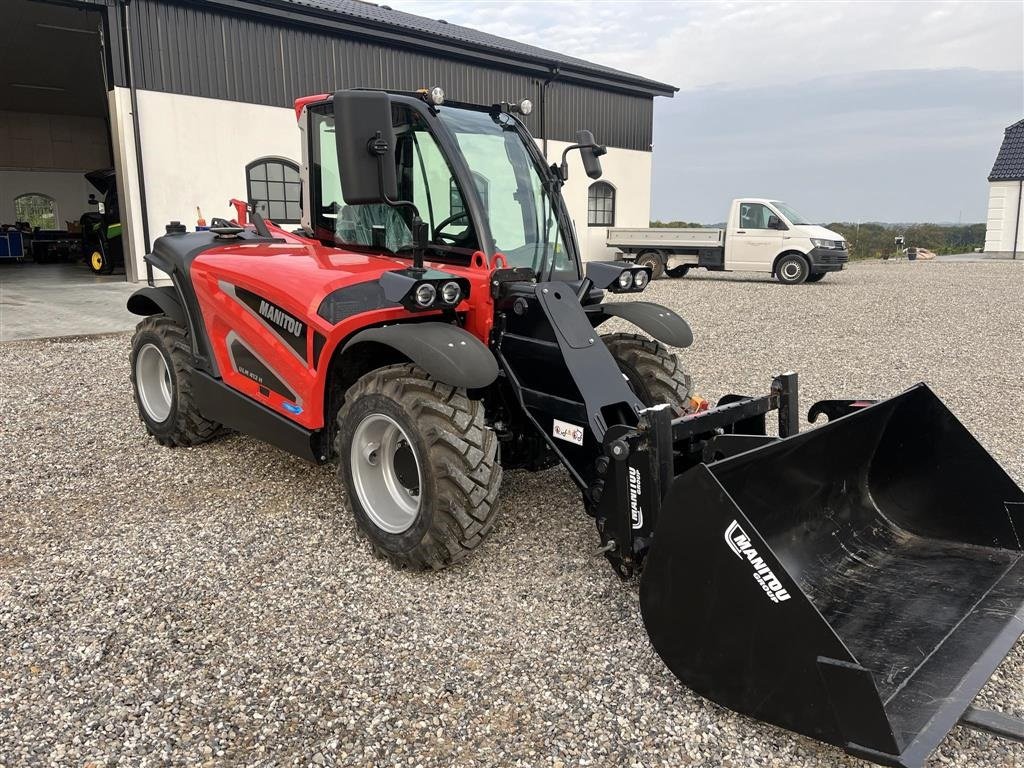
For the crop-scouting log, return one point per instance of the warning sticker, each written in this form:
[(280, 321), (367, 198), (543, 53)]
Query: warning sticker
[(563, 430)]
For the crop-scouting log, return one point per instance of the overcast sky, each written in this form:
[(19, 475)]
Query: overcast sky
[(876, 111)]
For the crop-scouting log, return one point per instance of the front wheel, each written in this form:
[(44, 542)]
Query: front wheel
[(792, 269), (653, 373), (817, 277), (420, 466), (97, 261)]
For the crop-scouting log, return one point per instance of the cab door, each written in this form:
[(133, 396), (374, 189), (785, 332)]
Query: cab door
[(751, 245)]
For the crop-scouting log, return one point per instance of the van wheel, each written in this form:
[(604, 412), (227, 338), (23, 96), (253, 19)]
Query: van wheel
[(792, 269), (816, 277), (653, 260)]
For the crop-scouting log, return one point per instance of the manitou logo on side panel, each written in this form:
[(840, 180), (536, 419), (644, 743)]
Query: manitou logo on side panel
[(739, 543), (280, 318), (635, 512)]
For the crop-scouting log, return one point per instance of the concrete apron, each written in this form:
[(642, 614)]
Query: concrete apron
[(39, 301)]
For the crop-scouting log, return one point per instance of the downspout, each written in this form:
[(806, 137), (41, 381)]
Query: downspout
[(544, 108), (138, 137), (1016, 224)]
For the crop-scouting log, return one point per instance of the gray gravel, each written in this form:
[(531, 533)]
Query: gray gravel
[(215, 605)]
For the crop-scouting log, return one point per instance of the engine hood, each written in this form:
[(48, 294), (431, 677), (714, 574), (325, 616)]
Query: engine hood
[(817, 231)]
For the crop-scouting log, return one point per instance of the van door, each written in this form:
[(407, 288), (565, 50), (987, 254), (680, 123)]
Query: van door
[(751, 246)]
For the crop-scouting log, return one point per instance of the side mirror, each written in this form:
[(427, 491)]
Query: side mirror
[(774, 222), (365, 138), (590, 153)]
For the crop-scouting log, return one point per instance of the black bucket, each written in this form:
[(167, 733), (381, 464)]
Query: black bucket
[(857, 583)]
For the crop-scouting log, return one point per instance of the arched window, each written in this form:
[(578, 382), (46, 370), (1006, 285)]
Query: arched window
[(601, 205), (274, 189), (38, 210)]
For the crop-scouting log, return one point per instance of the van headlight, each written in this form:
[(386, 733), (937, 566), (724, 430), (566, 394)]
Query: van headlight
[(823, 243)]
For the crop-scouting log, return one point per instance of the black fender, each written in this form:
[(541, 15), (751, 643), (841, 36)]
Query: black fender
[(156, 300), (659, 322), (448, 353)]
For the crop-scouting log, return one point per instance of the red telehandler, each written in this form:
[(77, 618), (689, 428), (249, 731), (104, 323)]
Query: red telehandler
[(431, 323)]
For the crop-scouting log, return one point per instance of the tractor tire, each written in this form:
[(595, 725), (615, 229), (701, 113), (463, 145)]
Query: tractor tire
[(653, 373), (162, 385), (653, 260), (98, 261), (816, 277), (792, 269), (420, 467)]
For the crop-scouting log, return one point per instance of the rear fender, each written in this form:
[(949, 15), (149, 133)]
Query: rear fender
[(448, 353), (158, 300), (657, 321)]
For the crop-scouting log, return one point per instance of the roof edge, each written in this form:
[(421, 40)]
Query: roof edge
[(344, 24)]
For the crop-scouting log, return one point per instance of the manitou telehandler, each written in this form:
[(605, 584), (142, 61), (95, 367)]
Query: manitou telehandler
[(430, 323)]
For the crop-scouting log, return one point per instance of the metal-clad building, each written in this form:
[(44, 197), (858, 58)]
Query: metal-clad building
[(199, 94)]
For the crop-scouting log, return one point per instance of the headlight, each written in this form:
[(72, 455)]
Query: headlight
[(625, 280), (526, 106), (822, 243), (425, 294), (640, 279), (437, 95), (451, 293)]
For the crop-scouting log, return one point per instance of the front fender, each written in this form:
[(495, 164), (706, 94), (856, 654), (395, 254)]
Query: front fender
[(448, 353), (158, 300), (659, 322)]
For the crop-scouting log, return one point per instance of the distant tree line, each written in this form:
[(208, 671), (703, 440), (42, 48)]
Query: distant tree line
[(872, 240)]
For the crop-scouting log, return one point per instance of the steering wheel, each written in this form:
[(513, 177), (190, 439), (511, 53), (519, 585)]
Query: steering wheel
[(437, 234)]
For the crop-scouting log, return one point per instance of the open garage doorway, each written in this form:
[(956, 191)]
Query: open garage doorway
[(61, 264), (58, 193)]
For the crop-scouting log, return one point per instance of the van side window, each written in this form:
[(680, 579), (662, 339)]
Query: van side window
[(754, 216)]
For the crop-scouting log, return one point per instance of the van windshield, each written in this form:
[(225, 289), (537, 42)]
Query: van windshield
[(793, 217)]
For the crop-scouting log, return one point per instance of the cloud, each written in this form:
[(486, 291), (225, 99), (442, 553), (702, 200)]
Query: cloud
[(695, 44), (872, 110)]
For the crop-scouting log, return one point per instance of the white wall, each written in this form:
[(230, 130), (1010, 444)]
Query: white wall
[(1003, 206), (629, 171), (195, 151), (69, 189)]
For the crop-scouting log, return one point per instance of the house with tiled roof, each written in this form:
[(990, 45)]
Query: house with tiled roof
[(1004, 230)]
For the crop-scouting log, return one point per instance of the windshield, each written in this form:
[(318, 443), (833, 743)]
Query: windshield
[(794, 218), (520, 212)]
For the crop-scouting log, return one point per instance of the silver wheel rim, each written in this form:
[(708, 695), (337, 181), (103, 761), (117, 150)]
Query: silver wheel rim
[(387, 486), (791, 270), (153, 381)]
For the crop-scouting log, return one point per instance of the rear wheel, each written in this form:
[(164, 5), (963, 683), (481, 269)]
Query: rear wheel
[(421, 468), (653, 373), (817, 277), (161, 380), (653, 260), (792, 269)]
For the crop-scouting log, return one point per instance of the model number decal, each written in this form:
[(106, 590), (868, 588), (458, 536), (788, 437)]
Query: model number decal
[(563, 430), (739, 542), (636, 513)]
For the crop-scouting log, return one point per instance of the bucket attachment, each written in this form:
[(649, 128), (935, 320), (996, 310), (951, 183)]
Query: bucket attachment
[(857, 583)]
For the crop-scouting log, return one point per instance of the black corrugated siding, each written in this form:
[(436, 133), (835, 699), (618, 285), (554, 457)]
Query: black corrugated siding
[(202, 52)]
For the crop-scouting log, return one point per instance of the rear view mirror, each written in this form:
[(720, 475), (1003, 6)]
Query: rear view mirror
[(590, 152), (365, 138)]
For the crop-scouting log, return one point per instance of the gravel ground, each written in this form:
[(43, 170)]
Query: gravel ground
[(215, 605)]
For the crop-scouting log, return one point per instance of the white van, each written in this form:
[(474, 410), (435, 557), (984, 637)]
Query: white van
[(761, 236)]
